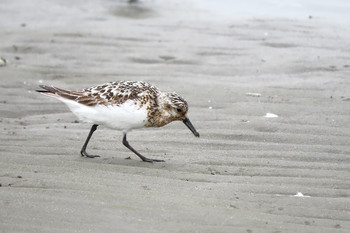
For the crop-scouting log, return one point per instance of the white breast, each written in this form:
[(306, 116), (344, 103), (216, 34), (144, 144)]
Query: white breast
[(124, 117)]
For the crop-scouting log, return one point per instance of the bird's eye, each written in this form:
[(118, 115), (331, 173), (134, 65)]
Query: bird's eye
[(179, 110)]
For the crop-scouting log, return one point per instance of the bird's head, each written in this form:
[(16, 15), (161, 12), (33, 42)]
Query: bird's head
[(174, 108)]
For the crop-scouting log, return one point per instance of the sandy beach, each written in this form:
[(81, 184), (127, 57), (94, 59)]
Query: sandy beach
[(270, 97)]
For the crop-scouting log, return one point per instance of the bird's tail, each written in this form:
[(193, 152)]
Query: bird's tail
[(58, 92), (47, 89)]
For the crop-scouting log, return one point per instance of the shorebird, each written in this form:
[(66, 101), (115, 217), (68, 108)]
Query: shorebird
[(123, 105)]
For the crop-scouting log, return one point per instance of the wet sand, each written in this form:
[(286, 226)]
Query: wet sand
[(241, 175)]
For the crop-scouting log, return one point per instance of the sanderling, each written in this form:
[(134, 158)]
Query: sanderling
[(123, 105)]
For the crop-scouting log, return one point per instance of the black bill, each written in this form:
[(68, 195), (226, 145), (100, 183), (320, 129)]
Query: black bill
[(188, 123)]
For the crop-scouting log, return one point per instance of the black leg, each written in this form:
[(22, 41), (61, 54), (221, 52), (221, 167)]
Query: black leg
[(126, 143), (83, 149)]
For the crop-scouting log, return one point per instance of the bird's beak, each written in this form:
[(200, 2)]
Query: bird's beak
[(188, 123)]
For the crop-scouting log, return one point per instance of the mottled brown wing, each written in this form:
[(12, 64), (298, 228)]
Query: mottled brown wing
[(113, 93), (92, 99), (116, 93)]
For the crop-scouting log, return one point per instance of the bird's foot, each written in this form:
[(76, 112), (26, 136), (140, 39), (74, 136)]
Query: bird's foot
[(144, 159), (85, 154)]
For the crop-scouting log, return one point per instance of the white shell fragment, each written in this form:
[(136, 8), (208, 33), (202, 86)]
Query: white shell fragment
[(299, 194), (253, 94), (270, 115), (3, 61)]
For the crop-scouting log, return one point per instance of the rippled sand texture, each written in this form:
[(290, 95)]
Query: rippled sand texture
[(247, 172)]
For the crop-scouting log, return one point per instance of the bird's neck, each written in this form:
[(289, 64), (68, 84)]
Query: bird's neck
[(159, 115)]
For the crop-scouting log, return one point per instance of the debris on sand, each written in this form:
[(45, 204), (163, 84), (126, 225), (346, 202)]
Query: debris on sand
[(270, 115), (3, 62), (253, 94), (299, 194)]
